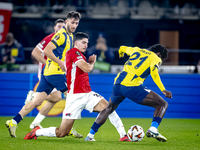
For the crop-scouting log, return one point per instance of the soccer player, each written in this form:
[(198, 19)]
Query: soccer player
[(129, 83), (79, 96), (53, 74), (55, 95)]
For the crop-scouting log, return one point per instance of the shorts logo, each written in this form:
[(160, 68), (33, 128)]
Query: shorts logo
[(68, 114), (97, 95)]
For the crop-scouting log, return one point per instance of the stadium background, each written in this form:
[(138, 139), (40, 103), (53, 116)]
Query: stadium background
[(141, 30)]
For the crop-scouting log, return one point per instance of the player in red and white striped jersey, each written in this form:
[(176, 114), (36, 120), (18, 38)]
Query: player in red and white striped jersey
[(55, 96), (79, 96)]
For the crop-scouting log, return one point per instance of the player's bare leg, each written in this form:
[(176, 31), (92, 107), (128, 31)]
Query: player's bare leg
[(114, 119), (65, 127), (52, 99), (27, 108), (160, 105), (62, 131)]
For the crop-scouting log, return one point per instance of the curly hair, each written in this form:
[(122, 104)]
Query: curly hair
[(158, 48)]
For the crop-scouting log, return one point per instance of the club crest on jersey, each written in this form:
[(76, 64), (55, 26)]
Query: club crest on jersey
[(57, 37), (78, 53)]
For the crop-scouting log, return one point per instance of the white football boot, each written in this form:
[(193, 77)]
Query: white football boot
[(153, 132), (29, 96)]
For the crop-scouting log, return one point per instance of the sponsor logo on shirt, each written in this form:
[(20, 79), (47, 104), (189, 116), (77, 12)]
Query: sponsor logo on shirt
[(79, 57)]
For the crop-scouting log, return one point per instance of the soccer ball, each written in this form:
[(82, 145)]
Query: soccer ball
[(135, 133)]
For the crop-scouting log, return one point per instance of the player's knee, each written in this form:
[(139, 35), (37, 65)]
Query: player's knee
[(61, 134), (57, 98), (164, 104)]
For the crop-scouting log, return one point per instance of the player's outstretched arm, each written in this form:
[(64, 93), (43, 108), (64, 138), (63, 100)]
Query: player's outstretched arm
[(167, 93)]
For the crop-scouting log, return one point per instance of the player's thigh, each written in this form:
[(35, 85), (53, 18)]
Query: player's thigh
[(101, 105), (65, 127), (94, 102), (55, 96), (153, 100), (39, 97)]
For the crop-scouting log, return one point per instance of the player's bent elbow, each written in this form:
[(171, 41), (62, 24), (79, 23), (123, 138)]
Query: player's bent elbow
[(87, 69), (33, 53)]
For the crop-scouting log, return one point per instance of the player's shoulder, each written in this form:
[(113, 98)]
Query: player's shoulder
[(48, 37), (60, 34), (75, 51)]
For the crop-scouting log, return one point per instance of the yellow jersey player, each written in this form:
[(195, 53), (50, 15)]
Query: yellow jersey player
[(53, 74), (129, 84)]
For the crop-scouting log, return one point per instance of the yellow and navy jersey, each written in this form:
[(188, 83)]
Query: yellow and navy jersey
[(140, 64), (63, 42)]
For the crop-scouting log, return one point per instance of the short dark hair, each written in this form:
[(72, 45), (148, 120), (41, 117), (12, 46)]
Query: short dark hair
[(59, 21), (74, 14), (158, 48), (80, 36)]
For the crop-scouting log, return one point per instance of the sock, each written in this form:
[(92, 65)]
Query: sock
[(156, 122), (38, 119), (95, 127), (17, 118), (50, 132), (116, 121)]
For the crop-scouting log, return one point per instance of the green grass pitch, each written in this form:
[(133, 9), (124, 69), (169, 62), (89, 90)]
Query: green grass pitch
[(182, 134)]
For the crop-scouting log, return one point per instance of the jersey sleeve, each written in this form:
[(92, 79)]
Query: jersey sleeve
[(154, 66), (58, 39), (76, 56), (43, 43), (127, 50)]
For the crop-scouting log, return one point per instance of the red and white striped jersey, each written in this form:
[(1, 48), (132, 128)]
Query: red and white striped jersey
[(41, 47), (77, 79)]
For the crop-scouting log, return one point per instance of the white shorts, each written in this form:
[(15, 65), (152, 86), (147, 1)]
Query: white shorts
[(75, 103)]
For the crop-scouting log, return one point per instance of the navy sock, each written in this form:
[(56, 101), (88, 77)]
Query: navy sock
[(17, 118), (95, 127), (156, 122)]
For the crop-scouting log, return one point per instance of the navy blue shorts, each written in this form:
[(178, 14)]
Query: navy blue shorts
[(134, 93), (48, 83)]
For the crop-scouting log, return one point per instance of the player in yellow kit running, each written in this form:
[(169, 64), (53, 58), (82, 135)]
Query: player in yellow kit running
[(53, 74), (129, 84)]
